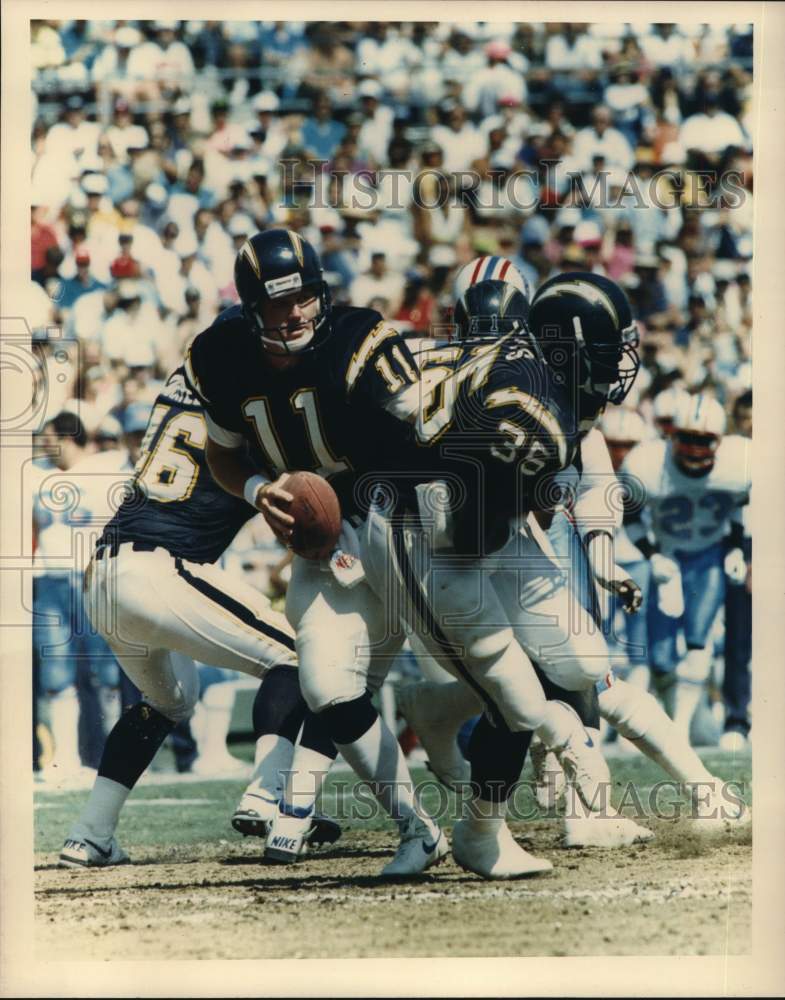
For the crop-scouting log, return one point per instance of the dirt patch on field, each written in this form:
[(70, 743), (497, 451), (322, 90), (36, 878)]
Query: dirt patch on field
[(676, 895)]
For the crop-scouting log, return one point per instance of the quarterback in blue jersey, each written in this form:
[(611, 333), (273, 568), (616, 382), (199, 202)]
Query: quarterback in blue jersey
[(331, 391)]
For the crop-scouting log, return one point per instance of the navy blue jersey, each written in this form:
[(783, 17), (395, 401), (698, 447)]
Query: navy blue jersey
[(335, 411), (174, 501), (495, 420)]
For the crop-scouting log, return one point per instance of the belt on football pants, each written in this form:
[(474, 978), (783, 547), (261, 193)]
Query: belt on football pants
[(110, 549)]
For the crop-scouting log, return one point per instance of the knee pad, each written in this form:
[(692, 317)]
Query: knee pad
[(348, 721)]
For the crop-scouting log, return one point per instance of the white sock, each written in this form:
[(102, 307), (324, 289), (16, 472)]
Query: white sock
[(691, 676), (64, 719), (101, 812), (378, 759), (483, 816), (109, 699), (272, 759), (304, 781), (640, 718), (558, 725)]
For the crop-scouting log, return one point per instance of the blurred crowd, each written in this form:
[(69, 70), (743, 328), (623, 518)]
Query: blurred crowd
[(401, 151)]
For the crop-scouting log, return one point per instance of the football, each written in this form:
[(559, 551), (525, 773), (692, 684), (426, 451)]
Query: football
[(317, 515)]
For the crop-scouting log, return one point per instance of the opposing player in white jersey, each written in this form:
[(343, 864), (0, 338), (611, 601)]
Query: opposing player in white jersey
[(155, 595), (685, 517)]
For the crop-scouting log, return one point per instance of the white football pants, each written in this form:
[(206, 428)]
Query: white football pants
[(159, 613), (346, 642)]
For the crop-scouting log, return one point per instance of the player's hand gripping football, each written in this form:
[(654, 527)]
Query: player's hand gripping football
[(273, 501)]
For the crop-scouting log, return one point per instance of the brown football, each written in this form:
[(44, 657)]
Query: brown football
[(317, 515)]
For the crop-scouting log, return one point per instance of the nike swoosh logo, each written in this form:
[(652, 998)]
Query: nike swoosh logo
[(101, 851), (430, 848), (589, 742)]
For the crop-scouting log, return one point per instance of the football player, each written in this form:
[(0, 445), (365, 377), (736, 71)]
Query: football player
[(591, 481), (493, 426), (155, 595), (326, 390), (691, 531)]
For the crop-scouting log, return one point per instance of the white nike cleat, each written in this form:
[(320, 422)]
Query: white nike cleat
[(287, 838), (84, 852), (549, 782), (417, 850), (437, 735), (587, 770), (493, 854), (253, 815), (596, 830)]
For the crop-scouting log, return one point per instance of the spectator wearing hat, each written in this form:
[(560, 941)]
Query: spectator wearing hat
[(497, 80), (82, 283), (321, 133), (600, 137)]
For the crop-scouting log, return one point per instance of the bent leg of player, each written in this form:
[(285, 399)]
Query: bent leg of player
[(703, 583), (450, 603), (340, 630), (568, 646), (158, 614)]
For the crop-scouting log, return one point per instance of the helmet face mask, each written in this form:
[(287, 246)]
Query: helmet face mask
[(695, 453), (698, 426), (587, 319), (276, 273)]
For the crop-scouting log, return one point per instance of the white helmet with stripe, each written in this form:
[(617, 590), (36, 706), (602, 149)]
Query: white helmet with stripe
[(620, 424), (665, 404), (489, 268), (698, 425)]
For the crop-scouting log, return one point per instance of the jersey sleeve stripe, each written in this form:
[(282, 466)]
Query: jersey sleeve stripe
[(191, 379), (362, 355), (537, 411)]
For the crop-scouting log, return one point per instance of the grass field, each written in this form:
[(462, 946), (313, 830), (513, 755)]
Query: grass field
[(197, 889)]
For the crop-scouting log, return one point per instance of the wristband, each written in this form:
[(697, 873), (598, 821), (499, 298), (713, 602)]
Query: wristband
[(251, 488)]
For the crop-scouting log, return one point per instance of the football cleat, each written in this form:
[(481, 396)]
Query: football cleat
[(549, 782), (437, 736), (253, 815), (82, 852), (597, 830), (587, 770), (493, 853), (714, 813), (417, 850), (287, 838)]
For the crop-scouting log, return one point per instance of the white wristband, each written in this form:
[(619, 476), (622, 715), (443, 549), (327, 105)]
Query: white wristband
[(251, 488)]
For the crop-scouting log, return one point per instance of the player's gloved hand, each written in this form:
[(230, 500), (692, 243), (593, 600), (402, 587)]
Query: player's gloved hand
[(736, 566), (663, 569), (272, 500), (628, 592)]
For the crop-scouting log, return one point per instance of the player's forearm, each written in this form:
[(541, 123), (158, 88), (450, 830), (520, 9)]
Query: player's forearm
[(230, 468)]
